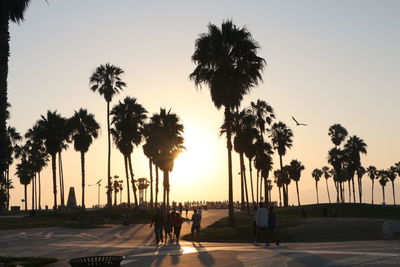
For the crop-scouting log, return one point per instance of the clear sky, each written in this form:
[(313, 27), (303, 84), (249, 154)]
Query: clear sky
[(327, 62)]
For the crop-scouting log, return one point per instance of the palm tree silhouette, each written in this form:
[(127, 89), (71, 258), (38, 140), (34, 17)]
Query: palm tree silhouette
[(264, 115), (13, 138), (83, 128), (51, 131), (25, 175), (360, 173), (228, 64), (106, 80), (263, 164), (316, 174), (335, 158), (372, 173), (281, 137), (128, 119), (295, 170), (169, 145), (279, 183), (392, 175), (11, 10), (37, 155), (337, 133), (354, 147), (383, 179), (327, 174)]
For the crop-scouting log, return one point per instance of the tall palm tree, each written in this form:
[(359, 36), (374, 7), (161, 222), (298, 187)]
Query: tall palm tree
[(84, 129), (295, 170), (128, 120), (335, 158), (65, 133), (263, 164), (392, 175), (37, 155), (327, 175), (13, 138), (316, 174), (372, 173), (50, 130), (25, 175), (354, 147), (360, 173), (169, 145), (10, 10), (150, 150), (106, 80), (279, 183), (228, 64), (282, 139), (383, 179)]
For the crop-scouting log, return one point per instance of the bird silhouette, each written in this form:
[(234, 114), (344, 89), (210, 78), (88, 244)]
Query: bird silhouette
[(298, 123)]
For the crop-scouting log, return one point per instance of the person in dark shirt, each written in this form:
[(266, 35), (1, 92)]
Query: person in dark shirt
[(196, 220), (271, 226), (158, 226), (176, 221), (168, 228)]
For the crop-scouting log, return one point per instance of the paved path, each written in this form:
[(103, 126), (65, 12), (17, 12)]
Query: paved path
[(136, 243)]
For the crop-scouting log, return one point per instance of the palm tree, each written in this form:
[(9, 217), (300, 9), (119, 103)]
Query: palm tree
[(281, 137), (354, 147), (25, 175), (264, 113), (106, 80), (327, 175), (169, 145), (11, 10), (228, 64), (392, 175), (279, 184), (360, 173), (37, 155), (150, 150), (337, 133), (84, 128), (263, 164), (128, 119), (295, 173), (372, 173), (50, 130), (316, 174), (335, 158), (383, 179)]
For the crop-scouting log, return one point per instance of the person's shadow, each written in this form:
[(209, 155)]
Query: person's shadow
[(205, 258)]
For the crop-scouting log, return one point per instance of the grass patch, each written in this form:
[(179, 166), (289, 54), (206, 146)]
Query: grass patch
[(354, 222), (26, 261), (76, 219)]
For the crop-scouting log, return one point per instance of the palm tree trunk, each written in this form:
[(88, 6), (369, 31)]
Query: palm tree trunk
[(26, 196), (372, 192), (40, 192), (383, 193), (316, 189), (166, 184), (151, 182), (348, 182), (280, 197), (245, 182), (36, 198), (359, 189), (394, 198), (156, 185), (33, 192), (115, 197), (229, 147), (132, 180), (251, 180), (284, 193), (327, 189), (298, 195), (53, 167), (8, 188), (83, 179), (337, 191), (109, 201), (242, 198), (354, 190), (266, 192), (127, 180), (258, 179), (4, 54), (61, 177), (261, 183)]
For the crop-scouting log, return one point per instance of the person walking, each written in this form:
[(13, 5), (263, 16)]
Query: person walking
[(186, 209), (158, 226), (168, 229), (196, 220), (176, 221), (261, 223), (271, 226)]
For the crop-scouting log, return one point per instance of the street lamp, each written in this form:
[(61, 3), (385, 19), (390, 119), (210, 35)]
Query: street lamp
[(98, 192)]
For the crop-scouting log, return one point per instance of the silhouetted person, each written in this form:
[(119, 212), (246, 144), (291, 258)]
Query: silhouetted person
[(168, 228), (158, 226), (186, 209), (271, 226), (176, 221), (196, 220), (261, 222)]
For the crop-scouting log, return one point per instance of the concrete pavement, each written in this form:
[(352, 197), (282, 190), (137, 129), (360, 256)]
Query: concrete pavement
[(136, 243)]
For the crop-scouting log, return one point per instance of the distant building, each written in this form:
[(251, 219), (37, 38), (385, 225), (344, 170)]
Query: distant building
[(71, 203)]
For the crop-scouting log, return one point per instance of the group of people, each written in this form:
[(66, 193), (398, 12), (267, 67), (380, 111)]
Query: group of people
[(168, 228), (264, 222)]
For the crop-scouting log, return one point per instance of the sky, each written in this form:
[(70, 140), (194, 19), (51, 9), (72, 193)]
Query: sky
[(327, 62)]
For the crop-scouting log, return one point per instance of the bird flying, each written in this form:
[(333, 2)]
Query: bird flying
[(298, 123)]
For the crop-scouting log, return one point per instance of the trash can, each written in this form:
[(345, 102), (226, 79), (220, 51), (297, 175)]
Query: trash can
[(106, 261)]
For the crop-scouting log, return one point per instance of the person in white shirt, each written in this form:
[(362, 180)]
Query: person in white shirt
[(261, 222)]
